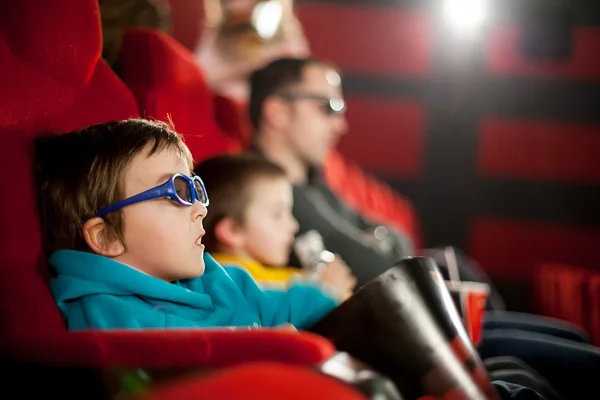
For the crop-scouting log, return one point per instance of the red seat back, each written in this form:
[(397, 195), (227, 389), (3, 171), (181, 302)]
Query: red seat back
[(169, 84), (570, 293), (40, 93), (593, 311), (258, 381), (371, 197), (51, 79)]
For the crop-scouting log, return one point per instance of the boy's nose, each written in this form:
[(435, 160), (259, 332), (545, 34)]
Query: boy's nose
[(199, 211)]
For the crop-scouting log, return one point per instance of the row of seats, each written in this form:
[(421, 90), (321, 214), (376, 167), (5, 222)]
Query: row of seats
[(166, 81), (55, 80), (52, 78), (571, 294), (380, 203)]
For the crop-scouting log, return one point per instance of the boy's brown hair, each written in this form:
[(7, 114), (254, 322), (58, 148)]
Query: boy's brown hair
[(81, 172), (228, 180)]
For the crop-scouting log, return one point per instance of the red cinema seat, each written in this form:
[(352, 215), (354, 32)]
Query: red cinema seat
[(561, 292), (371, 197), (168, 84), (52, 79), (258, 381)]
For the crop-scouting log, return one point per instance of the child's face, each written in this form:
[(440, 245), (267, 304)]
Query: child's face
[(269, 226), (161, 237)]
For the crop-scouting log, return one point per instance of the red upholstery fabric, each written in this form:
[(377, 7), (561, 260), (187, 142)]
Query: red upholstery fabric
[(103, 98), (163, 349), (370, 197), (187, 22), (39, 96), (168, 83), (37, 59), (259, 381), (511, 249), (232, 115), (52, 36), (561, 292), (46, 102), (570, 293), (593, 310)]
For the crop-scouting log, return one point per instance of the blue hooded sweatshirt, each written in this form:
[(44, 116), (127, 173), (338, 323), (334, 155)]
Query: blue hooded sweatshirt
[(95, 292)]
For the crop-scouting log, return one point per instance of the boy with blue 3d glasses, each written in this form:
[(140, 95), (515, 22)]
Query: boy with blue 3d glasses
[(122, 224)]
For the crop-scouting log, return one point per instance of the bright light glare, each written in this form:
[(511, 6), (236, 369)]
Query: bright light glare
[(333, 78), (337, 105), (465, 15), (266, 18)]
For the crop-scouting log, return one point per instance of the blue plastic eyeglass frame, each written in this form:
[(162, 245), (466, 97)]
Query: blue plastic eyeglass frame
[(167, 189)]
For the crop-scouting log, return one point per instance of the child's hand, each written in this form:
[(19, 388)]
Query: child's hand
[(338, 277)]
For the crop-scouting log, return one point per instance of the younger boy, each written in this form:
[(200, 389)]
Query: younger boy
[(251, 225), (122, 222)]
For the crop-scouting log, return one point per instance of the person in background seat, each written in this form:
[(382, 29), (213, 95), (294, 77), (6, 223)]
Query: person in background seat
[(251, 225), (119, 15), (242, 35), (297, 111)]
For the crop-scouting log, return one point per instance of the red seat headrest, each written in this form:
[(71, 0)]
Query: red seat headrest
[(169, 84), (54, 35), (50, 54), (51, 79)]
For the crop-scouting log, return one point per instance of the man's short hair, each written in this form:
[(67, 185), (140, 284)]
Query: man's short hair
[(81, 172), (229, 180), (274, 78)]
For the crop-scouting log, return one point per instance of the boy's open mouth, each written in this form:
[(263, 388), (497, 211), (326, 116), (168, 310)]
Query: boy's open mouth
[(199, 240)]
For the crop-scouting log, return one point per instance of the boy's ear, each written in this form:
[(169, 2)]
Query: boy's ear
[(229, 234), (96, 236)]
